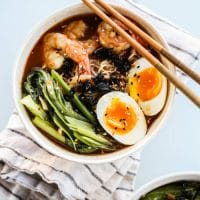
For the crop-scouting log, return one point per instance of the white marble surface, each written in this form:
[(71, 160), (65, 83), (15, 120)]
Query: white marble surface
[(177, 146)]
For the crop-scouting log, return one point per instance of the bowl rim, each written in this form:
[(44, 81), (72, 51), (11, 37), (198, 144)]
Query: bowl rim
[(43, 140), (166, 179)]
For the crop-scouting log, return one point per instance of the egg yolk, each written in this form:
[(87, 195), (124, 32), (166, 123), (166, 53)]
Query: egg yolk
[(145, 85), (119, 117)]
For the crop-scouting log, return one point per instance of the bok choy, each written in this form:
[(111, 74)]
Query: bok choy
[(58, 117)]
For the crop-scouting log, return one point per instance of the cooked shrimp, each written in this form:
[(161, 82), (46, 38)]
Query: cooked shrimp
[(109, 38), (57, 46), (75, 30), (90, 45), (76, 52), (54, 45)]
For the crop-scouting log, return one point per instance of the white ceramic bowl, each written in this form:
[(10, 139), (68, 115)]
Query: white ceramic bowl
[(20, 63), (170, 178)]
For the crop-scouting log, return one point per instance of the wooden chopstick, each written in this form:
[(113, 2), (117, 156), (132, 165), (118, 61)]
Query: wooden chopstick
[(140, 49), (153, 43)]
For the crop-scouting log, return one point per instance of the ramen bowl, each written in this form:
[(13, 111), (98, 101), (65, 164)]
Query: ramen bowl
[(19, 67), (165, 180)]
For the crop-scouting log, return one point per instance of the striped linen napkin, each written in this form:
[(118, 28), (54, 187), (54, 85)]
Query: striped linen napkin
[(27, 171)]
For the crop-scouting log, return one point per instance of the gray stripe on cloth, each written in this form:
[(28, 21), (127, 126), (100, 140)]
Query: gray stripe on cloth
[(106, 189), (118, 172), (125, 189), (134, 159), (93, 174), (113, 165), (22, 134), (131, 173), (195, 56)]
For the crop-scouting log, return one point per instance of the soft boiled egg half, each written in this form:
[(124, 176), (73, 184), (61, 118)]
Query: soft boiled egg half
[(147, 86), (121, 117)]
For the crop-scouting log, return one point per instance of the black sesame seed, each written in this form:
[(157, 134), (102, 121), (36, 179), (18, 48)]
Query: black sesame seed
[(138, 94), (131, 83), (138, 66), (135, 75), (106, 114), (115, 128), (138, 76)]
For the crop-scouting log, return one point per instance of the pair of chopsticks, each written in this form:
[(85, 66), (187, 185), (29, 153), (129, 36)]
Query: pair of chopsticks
[(141, 50)]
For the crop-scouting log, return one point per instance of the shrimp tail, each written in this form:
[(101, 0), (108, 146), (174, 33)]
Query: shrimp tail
[(84, 70)]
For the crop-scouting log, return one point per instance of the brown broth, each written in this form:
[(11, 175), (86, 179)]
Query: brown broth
[(35, 59)]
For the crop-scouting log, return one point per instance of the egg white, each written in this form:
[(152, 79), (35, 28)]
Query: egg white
[(155, 105), (139, 130)]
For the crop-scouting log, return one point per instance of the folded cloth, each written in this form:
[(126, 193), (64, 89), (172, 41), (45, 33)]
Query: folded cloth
[(28, 171), (25, 163)]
